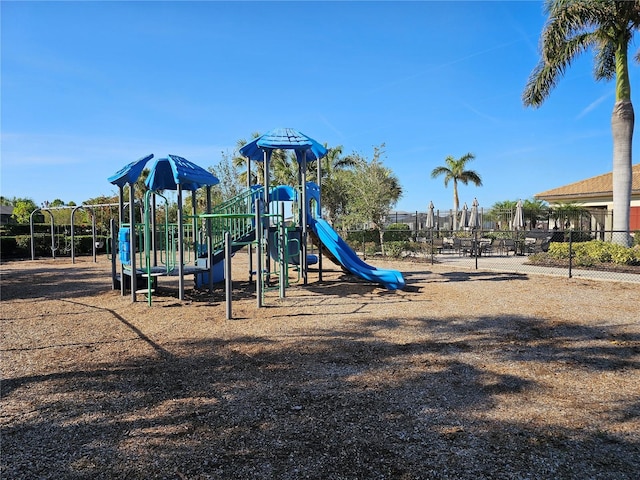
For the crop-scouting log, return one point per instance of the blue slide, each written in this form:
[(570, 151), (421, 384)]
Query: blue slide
[(391, 279)]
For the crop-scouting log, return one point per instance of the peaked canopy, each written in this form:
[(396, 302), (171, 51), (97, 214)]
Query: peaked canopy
[(130, 173), (285, 139), (168, 173)]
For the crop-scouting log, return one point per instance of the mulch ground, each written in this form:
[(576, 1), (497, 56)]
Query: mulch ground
[(463, 375)]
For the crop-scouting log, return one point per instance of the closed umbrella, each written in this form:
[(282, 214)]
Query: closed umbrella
[(464, 217), (474, 218), (430, 217), (518, 218)]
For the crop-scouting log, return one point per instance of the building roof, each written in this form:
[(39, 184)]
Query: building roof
[(6, 210), (599, 186)]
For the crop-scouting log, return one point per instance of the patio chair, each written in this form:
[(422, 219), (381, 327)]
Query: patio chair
[(529, 244), (541, 244), (438, 245), (447, 244), (486, 246), (508, 245), (457, 245), (466, 246)]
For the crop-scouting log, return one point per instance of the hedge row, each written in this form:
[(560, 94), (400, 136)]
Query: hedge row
[(596, 251), (16, 229), (19, 246)]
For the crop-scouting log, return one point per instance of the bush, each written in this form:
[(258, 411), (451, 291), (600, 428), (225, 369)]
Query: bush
[(8, 247), (356, 237), (19, 246), (395, 249), (558, 250), (595, 251), (371, 248), (397, 232)]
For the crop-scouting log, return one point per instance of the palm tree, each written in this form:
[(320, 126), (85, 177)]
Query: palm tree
[(455, 169), (502, 213), (284, 166), (240, 162), (608, 27), (535, 210), (569, 215)]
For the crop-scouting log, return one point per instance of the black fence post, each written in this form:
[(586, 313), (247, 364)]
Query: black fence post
[(570, 251), (475, 246)]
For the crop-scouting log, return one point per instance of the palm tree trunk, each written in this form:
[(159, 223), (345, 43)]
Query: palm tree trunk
[(622, 122), (456, 204)]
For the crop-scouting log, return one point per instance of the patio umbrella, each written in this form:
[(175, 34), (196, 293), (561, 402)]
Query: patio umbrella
[(474, 218), (518, 218), (464, 217), (430, 217)]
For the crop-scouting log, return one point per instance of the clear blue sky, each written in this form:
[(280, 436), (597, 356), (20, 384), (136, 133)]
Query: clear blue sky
[(88, 87)]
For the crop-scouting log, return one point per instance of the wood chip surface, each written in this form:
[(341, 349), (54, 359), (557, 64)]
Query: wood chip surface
[(463, 375)]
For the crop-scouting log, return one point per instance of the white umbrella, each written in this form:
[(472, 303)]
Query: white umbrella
[(464, 217), (518, 218), (430, 217), (474, 218)]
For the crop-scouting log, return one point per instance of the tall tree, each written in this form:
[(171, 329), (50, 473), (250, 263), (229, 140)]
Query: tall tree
[(535, 210), (456, 170), (228, 173), (502, 212), (280, 171), (334, 185), (22, 208), (606, 26), (284, 168), (373, 191), (240, 162)]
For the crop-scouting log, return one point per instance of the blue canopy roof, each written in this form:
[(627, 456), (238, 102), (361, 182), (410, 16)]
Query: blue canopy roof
[(130, 173), (285, 139), (168, 173)]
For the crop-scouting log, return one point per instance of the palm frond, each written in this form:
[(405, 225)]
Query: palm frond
[(604, 67)]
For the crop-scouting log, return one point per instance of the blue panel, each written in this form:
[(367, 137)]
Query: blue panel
[(161, 176), (168, 173), (283, 193), (124, 246), (190, 175), (285, 139), (130, 173)]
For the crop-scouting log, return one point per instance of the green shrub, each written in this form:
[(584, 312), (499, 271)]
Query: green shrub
[(577, 236), (397, 232), (595, 251), (8, 247), (356, 237), (395, 249), (558, 250)]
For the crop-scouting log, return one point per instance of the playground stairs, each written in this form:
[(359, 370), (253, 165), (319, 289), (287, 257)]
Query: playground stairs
[(236, 216)]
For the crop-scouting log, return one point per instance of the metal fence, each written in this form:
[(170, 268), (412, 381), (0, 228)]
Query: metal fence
[(577, 218), (567, 253)]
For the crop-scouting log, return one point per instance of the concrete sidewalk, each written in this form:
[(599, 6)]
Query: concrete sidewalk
[(518, 264)]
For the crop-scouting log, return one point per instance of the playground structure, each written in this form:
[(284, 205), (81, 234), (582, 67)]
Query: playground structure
[(203, 243)]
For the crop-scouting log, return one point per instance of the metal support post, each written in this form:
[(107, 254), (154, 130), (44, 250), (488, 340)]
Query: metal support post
[(228, 284), (282, 230), (259, 253)]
